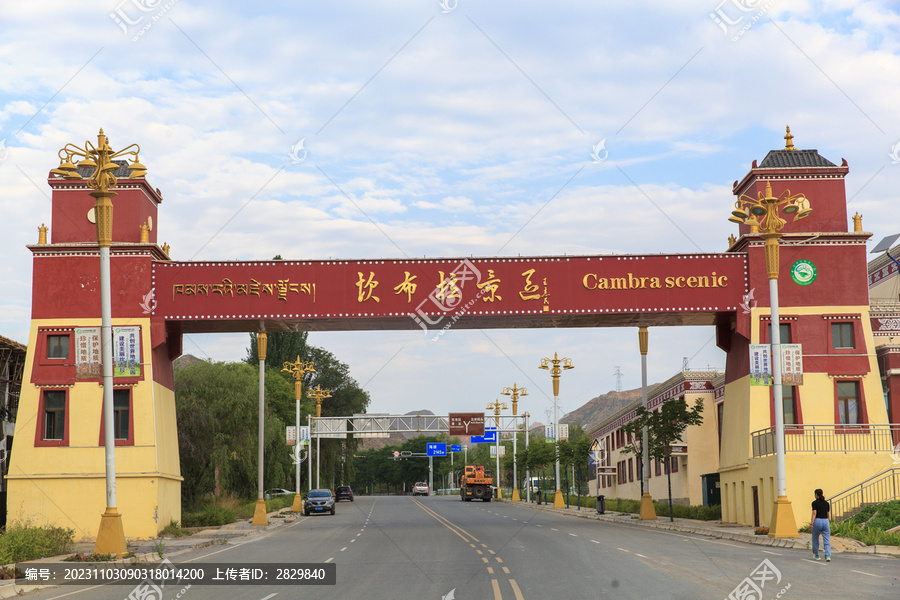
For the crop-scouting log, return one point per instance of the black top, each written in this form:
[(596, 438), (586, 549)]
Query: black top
[(821, 506)]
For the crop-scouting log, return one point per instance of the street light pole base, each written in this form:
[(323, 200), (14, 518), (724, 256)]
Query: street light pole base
[(111, 535), (499, 494), (648, 511), (558, 501), (515, 495), (782, 524), (259, 513), (297, 506)]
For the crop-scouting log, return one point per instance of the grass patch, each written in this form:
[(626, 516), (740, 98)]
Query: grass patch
[(627, 505), (228, 509), (24, 541), (173, 529), (94, 557)]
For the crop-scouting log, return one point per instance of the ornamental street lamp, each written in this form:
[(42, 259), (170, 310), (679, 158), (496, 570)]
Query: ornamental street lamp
[(298, 368), (555, 365), (497, 406), (763, 218), (99, 158), (514, 393), (318, 394), (259, 512)]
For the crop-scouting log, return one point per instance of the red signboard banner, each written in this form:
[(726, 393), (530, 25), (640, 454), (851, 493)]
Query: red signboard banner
[(436, 294), (466, 423)]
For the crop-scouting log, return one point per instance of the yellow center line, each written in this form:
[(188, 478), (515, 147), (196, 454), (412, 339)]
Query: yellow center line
[(455, 528), (506, 570), (496, 585), (490, 570), (516, 590)]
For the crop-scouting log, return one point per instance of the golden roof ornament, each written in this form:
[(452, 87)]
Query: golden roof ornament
[(788, 140), (42, 234), (857, 222), (165, 249), (731, 240)]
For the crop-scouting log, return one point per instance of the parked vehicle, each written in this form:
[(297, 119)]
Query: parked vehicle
[(269, 494), (420, 489), (318, 501), (344, 492)]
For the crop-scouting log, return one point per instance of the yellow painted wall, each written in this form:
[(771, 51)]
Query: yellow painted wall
[(747, 410), (66, 486)]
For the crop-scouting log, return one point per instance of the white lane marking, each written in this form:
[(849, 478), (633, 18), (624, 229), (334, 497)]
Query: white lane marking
[(595, 541), (775, 553), (540, 525), (573, 535), (344, 548), (269, 596), (641, 555), (330, 559), (723, 543), (815, 562), (864, 573), (554, 529), (623, 550), (353, 540)]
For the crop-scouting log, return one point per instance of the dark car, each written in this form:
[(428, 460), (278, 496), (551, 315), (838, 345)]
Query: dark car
[(344, 493), (318, 501)]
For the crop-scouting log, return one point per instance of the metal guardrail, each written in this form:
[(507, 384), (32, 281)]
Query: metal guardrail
[(883, 487), (827, 438)]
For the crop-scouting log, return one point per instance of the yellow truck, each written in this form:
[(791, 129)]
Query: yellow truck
[(475, 482)]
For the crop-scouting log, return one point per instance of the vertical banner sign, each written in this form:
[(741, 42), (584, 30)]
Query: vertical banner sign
[(127, 351), (88, 362), (291, 435), (760, 364), (563, 431), (304, 435), (494, 451), (791, 364)]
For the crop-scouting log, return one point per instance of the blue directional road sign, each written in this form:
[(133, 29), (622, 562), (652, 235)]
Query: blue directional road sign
[(489, 437), (436, 449), (455, 448)]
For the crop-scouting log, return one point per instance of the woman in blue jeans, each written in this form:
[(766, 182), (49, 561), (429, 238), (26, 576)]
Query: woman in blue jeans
[(821, 513)]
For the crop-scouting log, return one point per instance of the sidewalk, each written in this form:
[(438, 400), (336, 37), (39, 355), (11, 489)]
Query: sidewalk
[(716, 529), (148, 550)]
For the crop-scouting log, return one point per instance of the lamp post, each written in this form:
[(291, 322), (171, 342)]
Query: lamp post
[(259, 513), (318, 394), (514, 393), (648, 511), (298, 368), (497, 406), (555, 365), (763, 218), (99, 158)]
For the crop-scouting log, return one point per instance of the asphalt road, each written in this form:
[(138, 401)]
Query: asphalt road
[(443, 549)]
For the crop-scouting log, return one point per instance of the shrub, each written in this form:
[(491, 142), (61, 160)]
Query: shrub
[(761, 531), (208, 516), (25, 541)]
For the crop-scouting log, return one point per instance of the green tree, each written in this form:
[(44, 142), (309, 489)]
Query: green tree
[(217, 411), (666, 426)]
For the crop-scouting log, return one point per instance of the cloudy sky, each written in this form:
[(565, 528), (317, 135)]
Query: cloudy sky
[(443, 129)]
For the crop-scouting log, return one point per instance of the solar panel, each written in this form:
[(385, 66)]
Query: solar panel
[(885, 244)]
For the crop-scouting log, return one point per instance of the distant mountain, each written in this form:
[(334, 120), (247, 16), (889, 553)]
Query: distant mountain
[(599, 409)]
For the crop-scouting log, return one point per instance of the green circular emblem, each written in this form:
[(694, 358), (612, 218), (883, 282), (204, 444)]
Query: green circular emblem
[(803, 272)]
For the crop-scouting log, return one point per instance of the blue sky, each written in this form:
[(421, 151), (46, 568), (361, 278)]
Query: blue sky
[(450, 126)]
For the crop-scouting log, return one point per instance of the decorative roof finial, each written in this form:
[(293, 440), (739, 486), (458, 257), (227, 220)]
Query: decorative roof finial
[(731, 240), (857, 222), (42, 234), (789, 144)]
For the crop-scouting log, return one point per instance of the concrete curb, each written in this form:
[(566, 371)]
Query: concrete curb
[(709, 531)]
